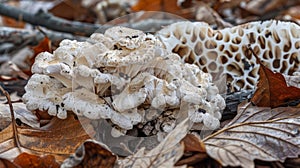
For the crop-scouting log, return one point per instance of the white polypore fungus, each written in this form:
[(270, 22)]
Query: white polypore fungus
[(125, 37), (45, 93), (125, 76), (210, 121)]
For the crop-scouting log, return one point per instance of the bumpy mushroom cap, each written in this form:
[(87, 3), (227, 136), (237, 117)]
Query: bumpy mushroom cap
[(123, 75), (225, 51), (45, 93)]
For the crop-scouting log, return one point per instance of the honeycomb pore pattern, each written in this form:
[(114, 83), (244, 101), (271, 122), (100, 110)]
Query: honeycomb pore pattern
[(225, 51)]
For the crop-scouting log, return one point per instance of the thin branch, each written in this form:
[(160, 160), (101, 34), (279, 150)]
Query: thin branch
[(47, 20), (18, 38), (13, 120)]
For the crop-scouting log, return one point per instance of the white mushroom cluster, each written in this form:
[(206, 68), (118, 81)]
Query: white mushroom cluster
[(125, 76)]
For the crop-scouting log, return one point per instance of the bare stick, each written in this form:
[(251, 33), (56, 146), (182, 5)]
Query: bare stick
[(85, 29), (13, 120), (18, 38), (45, 19)]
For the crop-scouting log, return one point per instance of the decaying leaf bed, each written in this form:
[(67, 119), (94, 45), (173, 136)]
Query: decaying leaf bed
[(219, 90)]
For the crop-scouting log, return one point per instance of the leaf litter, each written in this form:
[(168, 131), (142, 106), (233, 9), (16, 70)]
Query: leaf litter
[(59, 138), (255, 133)]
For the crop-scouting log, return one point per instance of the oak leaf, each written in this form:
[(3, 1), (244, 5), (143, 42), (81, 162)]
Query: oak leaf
[(257, 133)]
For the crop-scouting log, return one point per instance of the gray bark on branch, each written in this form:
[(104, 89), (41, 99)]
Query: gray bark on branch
[(12, 38), (49, 21)]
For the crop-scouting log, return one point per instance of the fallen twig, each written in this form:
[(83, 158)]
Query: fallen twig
[(13, 120), (18, 38), (85, 29), (47, 20)]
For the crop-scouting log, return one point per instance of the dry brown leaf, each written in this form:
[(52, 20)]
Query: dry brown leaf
[(23, 115), (13, 72), (73, 10), (193, 144), (166, 6), (262, 7), (206, 14), (91, 154), (293, 12), (272, 90), (166, 154), (4, 163), (195, 150), (10, 22), (292, 162), (26, 160), (8, 148), (257, 133), (43, 46), (59, 138)]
